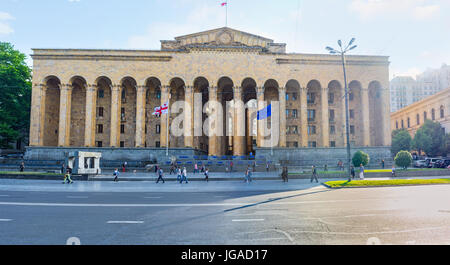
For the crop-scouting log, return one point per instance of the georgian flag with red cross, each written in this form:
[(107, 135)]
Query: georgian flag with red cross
[(164, 109), (224, 3)]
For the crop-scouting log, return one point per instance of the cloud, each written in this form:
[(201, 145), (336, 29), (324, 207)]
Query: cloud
[(415, 9), (195, 22), (5, 28)]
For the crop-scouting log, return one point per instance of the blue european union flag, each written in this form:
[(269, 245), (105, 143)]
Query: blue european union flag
[(265, 113)]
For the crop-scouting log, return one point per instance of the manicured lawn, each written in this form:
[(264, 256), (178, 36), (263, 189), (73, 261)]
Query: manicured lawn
[(392, 182), (28, 173)]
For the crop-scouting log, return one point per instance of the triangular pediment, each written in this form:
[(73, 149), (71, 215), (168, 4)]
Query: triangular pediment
[(221, 37)]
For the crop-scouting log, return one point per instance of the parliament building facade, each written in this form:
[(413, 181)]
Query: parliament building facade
[(105, 98)]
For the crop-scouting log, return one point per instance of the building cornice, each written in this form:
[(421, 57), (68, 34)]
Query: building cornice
[(101, 57), (419, 104)]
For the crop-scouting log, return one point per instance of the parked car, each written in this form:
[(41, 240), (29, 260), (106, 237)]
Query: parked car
[(442, 163), (420, 163), (430, 162)]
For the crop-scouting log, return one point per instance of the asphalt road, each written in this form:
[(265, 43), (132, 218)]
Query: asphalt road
[(263, 212)]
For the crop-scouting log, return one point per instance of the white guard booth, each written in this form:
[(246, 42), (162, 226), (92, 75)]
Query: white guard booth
[(84, 163)]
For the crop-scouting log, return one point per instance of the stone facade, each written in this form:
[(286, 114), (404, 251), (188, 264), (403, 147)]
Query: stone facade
[(435, 108), (104, 98)]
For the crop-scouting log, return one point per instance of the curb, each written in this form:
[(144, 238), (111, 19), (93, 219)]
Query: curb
[(384, 186)]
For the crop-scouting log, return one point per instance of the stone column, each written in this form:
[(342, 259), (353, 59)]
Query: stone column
[(64, 115), (37, 115), (282, 96), (116, 105), (365, 119), (91, 114), (214, 148), (164, 99), (188, 121), (386, 107), (239, 141), (325, 122), (140, 115), (261, 105), (304, 116)]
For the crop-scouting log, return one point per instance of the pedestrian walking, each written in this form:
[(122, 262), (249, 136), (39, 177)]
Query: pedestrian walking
[(63, 168), (231, 166), (254, 166), (393, 171), (352, 172), (361, 171), (248, 175), (172, 169), (156, 168), (207, 175), (382, 163), (325, 168), (314, 174), (160, 176), (179, 175), (284, 174), (184, 172), (267, 167), (22, 167), (195, 168), (116, 175), (67, 176)]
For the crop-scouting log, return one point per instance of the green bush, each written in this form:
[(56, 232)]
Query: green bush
[(360, 158), (403, 159)]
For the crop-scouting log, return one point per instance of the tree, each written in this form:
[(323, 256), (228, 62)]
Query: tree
[(403, 159), (447, 145), (15, 95), (430, 138), (401, 140), (360, 158)]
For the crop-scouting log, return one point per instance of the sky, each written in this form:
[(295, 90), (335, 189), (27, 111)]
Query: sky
[(414, 33)]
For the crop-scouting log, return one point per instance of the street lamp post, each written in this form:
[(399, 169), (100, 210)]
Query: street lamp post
[(347, 125)]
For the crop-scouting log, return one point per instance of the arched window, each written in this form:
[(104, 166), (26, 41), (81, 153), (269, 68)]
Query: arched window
[(409, 123), (418, 119), (424, 115), (396, 125), (433, 114), (442, 112), (403, 125)]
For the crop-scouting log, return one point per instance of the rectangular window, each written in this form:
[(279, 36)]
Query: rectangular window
[(352, 129), (122, 114), (312, 144), (295, 144), (294, 96), (122, 128), (294, 113), (332, 129), (101, 93), (352, 114), (158, 144), (100, 111), (122, 144), (351, 97), (332, 144), (311, 98), (158, 129), (311, 115), (311, 129), (330, 98), (287, 96), (99, 144), (99, 128), (287, 113), (331, 115)]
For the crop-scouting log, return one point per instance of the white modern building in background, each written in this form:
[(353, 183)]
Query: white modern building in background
[(405, 90)]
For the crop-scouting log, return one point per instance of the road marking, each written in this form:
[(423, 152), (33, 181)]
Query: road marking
[(152, 197), (248, 220), (77, 197), (5, 220), (172, 205), (125, 222), (1, 195)]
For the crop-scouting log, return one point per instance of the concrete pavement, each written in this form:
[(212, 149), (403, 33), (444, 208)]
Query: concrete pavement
[(262, 212)]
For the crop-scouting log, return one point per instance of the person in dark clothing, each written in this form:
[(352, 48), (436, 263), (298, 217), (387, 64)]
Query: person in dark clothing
[(314, 175), (116, 175), (160, 176), (284, 174), (22, 166), (382, 163), (352, 172), (207, 175), (63, 168)]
